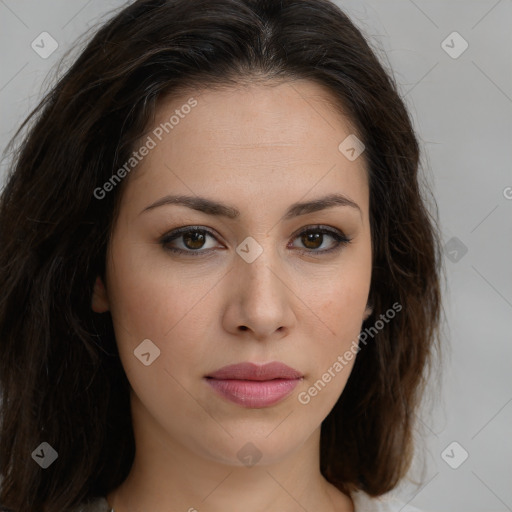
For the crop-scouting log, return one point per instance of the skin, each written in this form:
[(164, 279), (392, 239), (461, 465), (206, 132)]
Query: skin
[(259, 148)]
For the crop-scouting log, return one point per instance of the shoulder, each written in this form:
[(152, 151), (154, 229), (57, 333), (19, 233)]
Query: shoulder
[(98, 504), (385, 503)]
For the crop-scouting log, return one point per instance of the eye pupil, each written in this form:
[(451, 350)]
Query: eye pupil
[(196, 238), (308, 238), (193, 241)]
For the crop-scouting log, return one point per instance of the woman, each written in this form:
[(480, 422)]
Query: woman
[(220, 279)]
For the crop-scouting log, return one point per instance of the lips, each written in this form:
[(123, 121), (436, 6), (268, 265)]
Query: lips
[(255, 386), (251, 371)]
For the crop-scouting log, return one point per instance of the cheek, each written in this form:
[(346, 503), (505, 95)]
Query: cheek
[(332, 356), (151, 300), (147, 296), (173, 307), (340, 319), (339, 311), (341, 302)]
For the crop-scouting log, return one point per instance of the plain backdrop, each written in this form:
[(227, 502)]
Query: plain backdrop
[(461, 102)]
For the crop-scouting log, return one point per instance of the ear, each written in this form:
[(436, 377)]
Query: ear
[(367, 312), (99, 302)]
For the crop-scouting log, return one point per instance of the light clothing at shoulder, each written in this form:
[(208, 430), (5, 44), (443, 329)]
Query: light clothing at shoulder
[(385, 503), (99, 504), (362, 503)]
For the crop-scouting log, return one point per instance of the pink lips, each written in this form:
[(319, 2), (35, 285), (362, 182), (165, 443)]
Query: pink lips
[(253, 385)]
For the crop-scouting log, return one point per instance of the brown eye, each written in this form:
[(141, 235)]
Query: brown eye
[(313, 238), (188, 241), (194, 239)]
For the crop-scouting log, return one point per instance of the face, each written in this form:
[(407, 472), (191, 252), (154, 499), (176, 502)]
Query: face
[(250, 277)]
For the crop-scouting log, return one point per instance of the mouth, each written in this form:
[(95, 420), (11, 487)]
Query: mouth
[(255, 386)]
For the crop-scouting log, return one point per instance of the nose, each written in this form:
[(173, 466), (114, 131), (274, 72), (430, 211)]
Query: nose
[(260, 300)]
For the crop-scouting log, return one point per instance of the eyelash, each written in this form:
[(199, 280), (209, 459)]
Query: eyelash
[(339, 237)]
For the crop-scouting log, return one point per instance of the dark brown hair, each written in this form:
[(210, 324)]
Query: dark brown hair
[(60, 374)]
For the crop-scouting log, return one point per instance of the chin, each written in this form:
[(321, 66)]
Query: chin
[(251, 447)]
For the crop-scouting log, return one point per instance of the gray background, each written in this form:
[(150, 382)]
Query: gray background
[(462, 111)]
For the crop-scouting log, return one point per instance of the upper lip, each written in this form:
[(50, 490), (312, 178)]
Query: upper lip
[(253, 371)]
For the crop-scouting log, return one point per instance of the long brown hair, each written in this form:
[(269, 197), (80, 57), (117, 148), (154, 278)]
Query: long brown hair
[(60, 374)]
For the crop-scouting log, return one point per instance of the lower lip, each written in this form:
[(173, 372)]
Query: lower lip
[(252, 393)]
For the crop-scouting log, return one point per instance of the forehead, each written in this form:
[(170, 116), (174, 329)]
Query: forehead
[(248, 137), (256, 115)]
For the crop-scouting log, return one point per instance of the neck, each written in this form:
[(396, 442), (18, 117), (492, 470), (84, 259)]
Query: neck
[(169, 475)]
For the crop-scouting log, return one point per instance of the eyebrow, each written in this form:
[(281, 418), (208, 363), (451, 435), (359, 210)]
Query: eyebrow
[(211, 207)]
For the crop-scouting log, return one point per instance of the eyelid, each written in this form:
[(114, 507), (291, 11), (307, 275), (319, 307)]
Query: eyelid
[(338, 235), (178, 232)]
